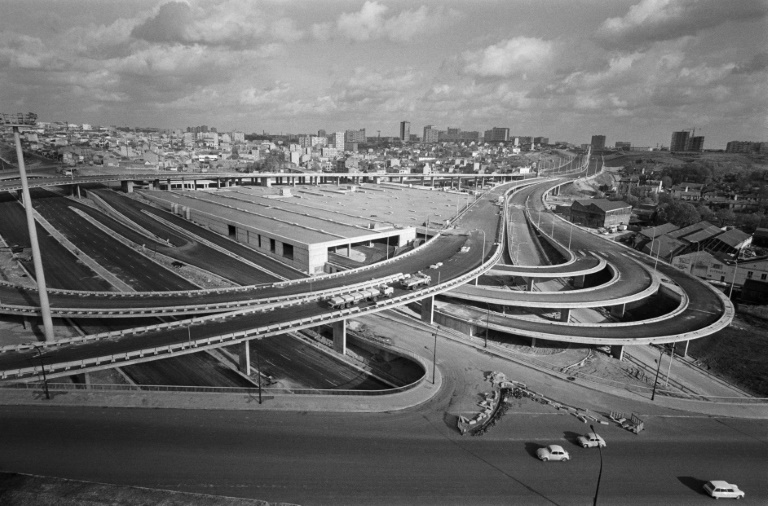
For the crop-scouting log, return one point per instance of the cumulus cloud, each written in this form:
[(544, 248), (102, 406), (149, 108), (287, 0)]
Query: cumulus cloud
[(518, 55), (658, 20), (371, 22), (235, 23)]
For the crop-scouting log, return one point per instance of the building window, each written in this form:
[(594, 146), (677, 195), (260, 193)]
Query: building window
[(717, 266), (763, 277), (288, 251), (749, 274), (272, 247)]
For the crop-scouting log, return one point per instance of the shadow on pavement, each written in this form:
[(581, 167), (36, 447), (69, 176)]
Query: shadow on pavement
[(694, 484), (531, 449), (572, 437)]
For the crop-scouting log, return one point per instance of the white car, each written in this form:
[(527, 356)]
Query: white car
[(552, 452), (591, 440), (722, 489)]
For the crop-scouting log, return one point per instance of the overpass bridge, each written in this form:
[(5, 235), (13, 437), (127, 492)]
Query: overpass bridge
[(699, 313)]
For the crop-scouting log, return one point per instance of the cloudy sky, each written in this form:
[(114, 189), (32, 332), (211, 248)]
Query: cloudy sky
[(630, 69)]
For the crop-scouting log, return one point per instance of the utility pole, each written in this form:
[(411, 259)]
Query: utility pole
[(17, 121), (434, 357), (655, 381)]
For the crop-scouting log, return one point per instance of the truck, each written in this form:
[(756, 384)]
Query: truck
[(351, 299), (414, 281)]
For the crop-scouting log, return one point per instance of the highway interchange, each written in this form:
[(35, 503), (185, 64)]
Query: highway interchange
[(413, 456)]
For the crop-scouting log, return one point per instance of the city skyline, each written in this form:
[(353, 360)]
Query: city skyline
[(635, 69)]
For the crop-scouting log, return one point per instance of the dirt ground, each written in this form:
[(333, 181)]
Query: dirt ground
[(738, 352)]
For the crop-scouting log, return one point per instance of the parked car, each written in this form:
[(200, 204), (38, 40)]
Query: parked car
[(552, 452), (722, 489), (591, 440)]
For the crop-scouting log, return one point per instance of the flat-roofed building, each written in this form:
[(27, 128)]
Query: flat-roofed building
[(600, 213)]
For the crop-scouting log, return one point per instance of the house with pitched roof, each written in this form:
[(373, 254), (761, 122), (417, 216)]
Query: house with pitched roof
[(600, 213)]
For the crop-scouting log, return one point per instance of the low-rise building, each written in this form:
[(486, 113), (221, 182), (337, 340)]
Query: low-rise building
[(600, 213)]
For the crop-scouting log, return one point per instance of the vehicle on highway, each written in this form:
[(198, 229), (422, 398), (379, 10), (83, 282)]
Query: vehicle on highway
[(413, 281), (722, 489), (591, 440), (553, 452), (369, 294)]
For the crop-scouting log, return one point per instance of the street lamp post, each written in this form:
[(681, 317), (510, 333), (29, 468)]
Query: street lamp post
[(669, 369), (655, 381), (482, 258), (570, 235), (600, 474), (733, 279), (434, 357), (42, 368), (258, 372), (487, 324)]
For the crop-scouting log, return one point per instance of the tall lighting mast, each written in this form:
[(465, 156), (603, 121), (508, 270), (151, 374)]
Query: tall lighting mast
[(17, 121)]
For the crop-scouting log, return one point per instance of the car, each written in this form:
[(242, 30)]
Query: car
[(553, 452), (591, 440), (722, 489)]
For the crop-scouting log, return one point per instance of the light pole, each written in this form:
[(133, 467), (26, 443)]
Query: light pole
[(653, 393), (17, 121), (42, 368), (482, 258), (487, 324), (570, 235), (669, 369), (189, 334), (600, 474), (258, 372), (733, 280), (434, 357)]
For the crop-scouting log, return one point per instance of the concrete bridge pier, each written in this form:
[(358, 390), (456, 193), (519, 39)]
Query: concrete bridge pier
[(340, 337), (75, 190), (618, 311), (245, 359), (428, 310), (684, 351), (126, 186), (82, 379), (529, 285), (565, 314), (617, 351), (578, 281)]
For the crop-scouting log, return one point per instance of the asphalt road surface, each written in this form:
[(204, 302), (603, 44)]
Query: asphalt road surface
[(384, 459)]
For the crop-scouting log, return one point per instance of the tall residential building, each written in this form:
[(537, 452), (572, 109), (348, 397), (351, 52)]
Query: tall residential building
[(356, 136), (695, 143), (496, 134), (679, 141), (430, 134), (321, 133), (405, 131), (745, 147), (598, 142), (338, 140)]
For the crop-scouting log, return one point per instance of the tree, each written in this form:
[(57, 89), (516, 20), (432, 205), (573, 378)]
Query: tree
[(725, 217), (706, 213), (666, 182), (681, 214)]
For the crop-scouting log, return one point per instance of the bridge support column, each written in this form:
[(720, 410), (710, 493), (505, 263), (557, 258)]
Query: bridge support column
[(578, 281), (340, 337), (82, 379), (617, 351), (76, 190), (684, 351), (533, 342), (529, 285), (126, 186), (618, 311), (565, 314), (428, 310), (245, 359)]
